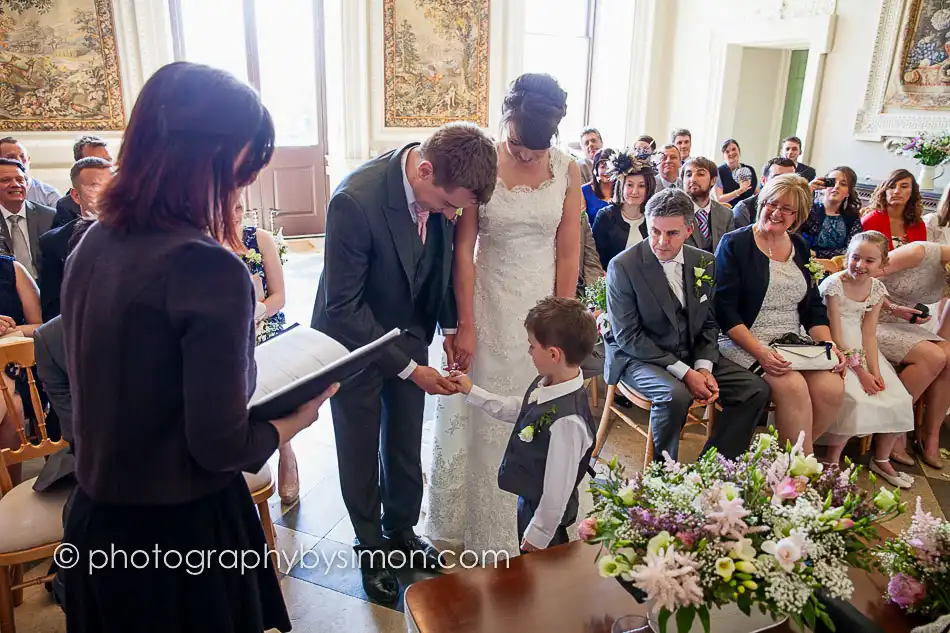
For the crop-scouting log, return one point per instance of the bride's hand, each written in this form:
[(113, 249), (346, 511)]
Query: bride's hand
[(464, 347)]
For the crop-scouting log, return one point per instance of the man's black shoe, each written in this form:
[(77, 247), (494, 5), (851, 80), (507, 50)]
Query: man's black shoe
[(419, 554), (380, 584)]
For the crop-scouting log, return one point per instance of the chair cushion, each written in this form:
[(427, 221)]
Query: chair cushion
[(260, 479), (30, 519)]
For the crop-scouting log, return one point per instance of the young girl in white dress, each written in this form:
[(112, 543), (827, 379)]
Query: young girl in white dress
[(875, 401)]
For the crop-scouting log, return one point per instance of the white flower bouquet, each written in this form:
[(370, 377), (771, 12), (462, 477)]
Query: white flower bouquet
[(766, 531)]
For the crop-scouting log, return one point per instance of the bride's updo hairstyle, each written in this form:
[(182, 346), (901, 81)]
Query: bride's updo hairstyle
[(535, 105)]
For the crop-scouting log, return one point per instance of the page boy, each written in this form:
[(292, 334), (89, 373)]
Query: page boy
[(553, 436)]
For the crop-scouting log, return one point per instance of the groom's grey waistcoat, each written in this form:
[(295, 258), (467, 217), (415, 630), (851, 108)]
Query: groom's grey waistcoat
[(523, 466)]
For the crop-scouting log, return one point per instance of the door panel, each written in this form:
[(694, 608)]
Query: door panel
[(295, 186)]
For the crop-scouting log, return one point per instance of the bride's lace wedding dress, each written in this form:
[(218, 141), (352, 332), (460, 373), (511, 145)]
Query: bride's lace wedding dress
[(514, 269)]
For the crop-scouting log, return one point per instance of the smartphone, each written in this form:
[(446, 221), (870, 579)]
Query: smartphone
[(829, 182), (924, 312)]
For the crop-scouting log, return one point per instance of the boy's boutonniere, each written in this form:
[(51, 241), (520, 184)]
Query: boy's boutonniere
[(527, 433), (701, 273), (816, 270)]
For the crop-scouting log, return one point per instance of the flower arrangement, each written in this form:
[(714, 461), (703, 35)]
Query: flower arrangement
[(918, 563), (765, 531), (701, 273), (595, 295), (927, 149)]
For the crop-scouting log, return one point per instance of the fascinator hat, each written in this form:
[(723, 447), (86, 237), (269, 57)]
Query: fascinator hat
[(626, 163)]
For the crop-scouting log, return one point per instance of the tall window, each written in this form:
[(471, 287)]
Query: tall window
[(255, 40), (558, 38)]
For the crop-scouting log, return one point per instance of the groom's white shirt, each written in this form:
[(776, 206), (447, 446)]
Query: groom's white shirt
[(673, 269), (411, 203), (570, 439)]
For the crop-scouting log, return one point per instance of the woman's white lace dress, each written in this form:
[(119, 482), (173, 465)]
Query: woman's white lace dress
[(514, 269)]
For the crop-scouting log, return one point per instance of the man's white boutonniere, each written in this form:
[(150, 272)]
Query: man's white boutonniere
[(527, 433), (815, 269), (701, 273)]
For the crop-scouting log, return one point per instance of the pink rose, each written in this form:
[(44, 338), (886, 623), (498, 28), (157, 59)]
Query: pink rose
[(788, 489), (587, 529), (688, 539), (905, 591)]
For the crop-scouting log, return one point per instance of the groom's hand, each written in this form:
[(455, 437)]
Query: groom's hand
[(432, 382)]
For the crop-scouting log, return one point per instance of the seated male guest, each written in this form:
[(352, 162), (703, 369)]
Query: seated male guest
[(591, 143), (664, 337), (669, 169), (37, 191), (745, 212), (792, 150), (713, 220), (89, 177), (23, 220), (67, 209)]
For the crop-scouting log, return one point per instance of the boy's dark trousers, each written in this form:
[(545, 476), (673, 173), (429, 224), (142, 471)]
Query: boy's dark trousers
[(526, 511)]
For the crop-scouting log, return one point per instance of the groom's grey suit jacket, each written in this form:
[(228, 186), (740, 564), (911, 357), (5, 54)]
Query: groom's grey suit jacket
[(643, 311), (368, 285)]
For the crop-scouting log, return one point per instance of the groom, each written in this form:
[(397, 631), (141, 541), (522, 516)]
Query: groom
[(389, 265), (664, 337)]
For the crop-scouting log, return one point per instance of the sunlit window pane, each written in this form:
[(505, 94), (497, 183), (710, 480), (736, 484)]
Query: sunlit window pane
[(213, 34), (285, 42), (556, 17), (566, 60)]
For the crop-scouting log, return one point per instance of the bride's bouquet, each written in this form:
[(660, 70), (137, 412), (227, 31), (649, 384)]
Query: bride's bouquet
[(765, 532), (918, 563)]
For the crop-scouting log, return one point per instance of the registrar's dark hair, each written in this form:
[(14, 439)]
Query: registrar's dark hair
[(535, 104), (565, 324), (178, 165), (462, 155)]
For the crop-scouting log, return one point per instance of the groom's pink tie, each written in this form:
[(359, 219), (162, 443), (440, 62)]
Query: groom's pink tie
[(422, 217)]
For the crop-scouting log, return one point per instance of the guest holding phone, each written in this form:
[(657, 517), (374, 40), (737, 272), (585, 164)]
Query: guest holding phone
[(835, 216)]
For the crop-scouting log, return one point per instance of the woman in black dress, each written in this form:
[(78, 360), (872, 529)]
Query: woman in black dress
[(19, 312), (158, 324)]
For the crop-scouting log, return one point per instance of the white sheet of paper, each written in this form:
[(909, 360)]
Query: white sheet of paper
[(291, 356)]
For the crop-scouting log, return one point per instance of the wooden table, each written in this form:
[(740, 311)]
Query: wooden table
[(560, 591)]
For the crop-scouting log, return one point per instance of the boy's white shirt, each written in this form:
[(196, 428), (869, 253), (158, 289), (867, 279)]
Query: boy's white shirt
[(570, 439)]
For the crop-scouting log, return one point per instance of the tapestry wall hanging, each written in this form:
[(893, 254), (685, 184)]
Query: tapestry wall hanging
[(59, 69), (435, 62)]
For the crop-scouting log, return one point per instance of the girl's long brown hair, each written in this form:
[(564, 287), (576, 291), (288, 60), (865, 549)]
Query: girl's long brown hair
[(195, 137), (913, 210)]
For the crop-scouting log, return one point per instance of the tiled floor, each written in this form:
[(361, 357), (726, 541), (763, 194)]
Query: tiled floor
[(314, 534)]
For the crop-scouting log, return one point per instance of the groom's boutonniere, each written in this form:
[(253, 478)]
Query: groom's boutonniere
[(701, 273), (815, 269), (547, 419)]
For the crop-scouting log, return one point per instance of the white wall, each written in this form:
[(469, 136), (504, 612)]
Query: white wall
[(842, 86), (761, 88)]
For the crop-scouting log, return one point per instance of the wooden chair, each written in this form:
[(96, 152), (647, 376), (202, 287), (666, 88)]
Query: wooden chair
[(709, 413), (830, 265), (261, 485), (31, 524)]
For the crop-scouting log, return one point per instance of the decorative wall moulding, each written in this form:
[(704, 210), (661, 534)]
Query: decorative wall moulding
[(59, 68), (435, 60), (908, 88)]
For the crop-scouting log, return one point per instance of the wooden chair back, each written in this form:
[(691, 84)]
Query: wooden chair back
[(831, 265), (20, 352)]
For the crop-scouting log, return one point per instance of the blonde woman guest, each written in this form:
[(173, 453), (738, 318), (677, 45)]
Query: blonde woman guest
[(764, 290), (264, 260)]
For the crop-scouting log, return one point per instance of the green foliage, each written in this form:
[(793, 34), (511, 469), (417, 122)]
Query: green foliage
[(595, 295), (19, 6)]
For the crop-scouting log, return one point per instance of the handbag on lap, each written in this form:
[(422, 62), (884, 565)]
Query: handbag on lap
[(802, 352)]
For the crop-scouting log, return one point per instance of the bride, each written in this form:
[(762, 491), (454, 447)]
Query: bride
[(522, 246)]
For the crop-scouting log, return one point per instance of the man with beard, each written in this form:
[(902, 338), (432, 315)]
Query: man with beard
[(713, 220)]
